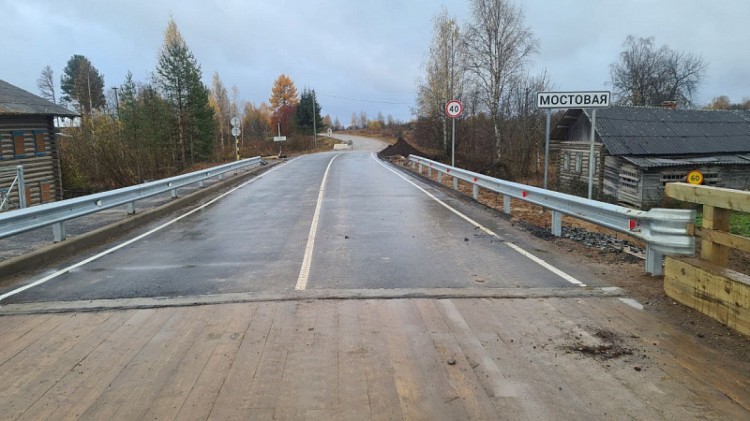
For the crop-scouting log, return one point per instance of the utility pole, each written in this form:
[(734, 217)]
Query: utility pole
[(315, 117), (117, 102)]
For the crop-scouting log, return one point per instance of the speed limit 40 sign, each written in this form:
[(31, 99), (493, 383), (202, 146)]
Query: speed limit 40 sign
[(453, 108)]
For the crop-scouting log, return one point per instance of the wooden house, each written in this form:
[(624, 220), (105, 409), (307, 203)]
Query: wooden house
[(28, 137), (640, 149)]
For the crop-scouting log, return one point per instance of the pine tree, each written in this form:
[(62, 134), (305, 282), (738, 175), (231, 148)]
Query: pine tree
[(179, 78), (82, 84), (304, 115)]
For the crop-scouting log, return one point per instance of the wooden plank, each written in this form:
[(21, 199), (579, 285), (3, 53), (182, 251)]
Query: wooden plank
[(724, 238), (718, 292), (461, 375), (716, 219), (225, 337), (381, 384), (86, 379), (138, 383), (236, 391), (353, 399), (719, 197), (267, 382)]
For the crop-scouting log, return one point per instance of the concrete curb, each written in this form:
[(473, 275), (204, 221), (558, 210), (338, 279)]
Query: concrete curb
[(57, 251)]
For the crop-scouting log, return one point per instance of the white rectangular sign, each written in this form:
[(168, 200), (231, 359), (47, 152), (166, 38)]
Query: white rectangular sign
[(279, 138), (593, 99)]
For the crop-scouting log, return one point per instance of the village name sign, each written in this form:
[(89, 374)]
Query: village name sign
[(595, 99)]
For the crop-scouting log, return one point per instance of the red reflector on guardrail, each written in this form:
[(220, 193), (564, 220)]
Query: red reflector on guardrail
[(632, 224), (524, 194)]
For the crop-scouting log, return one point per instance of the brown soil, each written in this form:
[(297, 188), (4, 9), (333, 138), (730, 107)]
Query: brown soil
[(400, 149), (622, 270)]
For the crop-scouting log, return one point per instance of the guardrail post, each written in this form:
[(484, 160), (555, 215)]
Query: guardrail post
[(58, 231), (131, 208), (506, 204), (21, 187), (429, 171), (440, 177), (221, 177), (174, 193), (556, 223), (455, 183), (654, 261), (420, 169), (202, 184), (475, 192)]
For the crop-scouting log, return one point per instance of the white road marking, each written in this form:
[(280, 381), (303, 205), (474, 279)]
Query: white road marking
[(133, 240), (304, 272), (513, 246)]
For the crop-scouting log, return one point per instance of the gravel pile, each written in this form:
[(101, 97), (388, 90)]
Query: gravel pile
[(599, 241)]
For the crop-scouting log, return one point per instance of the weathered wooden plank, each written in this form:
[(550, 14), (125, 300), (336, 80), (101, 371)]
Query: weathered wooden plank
[(132, 391), (268, 380), (83, 384), (461, 375), (35, 369), (381, 384), (236, 390), (353, 399), (225, 335)]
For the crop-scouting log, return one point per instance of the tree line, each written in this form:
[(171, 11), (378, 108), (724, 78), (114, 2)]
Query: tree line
[(171, 123), (485, 63)]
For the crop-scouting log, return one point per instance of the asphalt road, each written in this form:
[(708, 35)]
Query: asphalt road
[(366, 226)]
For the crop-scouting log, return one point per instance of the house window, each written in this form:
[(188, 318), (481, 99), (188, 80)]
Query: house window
[(19, 147), (40, 144), (672, 178), (629, 181), (566, 161), (579, 162)]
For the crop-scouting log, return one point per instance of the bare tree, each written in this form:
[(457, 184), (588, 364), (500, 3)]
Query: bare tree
[(46, 84), (444, 73), (646, 75)]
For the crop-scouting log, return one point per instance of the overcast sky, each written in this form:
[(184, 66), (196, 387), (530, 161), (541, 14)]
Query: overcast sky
[(358, 55)]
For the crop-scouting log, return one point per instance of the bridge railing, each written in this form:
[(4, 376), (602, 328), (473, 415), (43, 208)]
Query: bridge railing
[(665, 231), (56, 213)]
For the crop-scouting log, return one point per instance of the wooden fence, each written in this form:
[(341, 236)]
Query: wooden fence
[(705, 283)]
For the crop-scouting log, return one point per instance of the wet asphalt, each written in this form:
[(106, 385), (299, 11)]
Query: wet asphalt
[(375, 230)]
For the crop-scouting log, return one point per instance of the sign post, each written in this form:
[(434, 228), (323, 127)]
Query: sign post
[(235, 121), (586, 99), (453, 109)]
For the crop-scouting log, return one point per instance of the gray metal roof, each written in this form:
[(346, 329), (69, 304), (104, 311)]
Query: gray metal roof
[(16, 101), (644, 131), (648, 162)]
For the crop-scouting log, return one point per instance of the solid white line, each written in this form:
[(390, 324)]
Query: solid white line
[(304, 272), (133, 240), (513, 246)]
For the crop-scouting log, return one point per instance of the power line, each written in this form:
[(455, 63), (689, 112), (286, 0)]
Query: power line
[(363, 100)]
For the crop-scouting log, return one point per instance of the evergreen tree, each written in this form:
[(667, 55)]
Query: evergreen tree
[(82, 84), (179, 78), (304, 115)]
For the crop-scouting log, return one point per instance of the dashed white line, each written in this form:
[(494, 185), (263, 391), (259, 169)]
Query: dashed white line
[(304, 272), (513, 246), (133, 240)]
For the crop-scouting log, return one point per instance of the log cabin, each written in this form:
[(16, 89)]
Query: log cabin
[(28, 137), (638, 150)]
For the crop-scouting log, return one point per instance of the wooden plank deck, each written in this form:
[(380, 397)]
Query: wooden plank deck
[(359, 359)]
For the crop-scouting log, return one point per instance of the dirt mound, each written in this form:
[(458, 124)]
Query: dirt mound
[(401, 148)]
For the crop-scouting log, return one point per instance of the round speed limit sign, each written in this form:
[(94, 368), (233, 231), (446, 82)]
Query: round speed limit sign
[(453, 108), (695, 177)]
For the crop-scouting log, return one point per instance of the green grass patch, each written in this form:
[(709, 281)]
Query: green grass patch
[(739, 223)]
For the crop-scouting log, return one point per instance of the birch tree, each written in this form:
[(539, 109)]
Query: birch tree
[(498, 49)]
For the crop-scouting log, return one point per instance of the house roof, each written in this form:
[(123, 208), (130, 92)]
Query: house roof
[(652, 162), (644, 131), (16, 101)]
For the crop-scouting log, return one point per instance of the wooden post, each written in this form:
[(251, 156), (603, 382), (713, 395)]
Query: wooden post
[(716, 219)]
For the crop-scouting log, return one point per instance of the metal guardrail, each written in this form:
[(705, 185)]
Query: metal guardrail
[(56, 213), (665, 231)]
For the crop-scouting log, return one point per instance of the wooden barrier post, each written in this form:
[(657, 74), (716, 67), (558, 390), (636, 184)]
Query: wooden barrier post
[(717, 219)]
